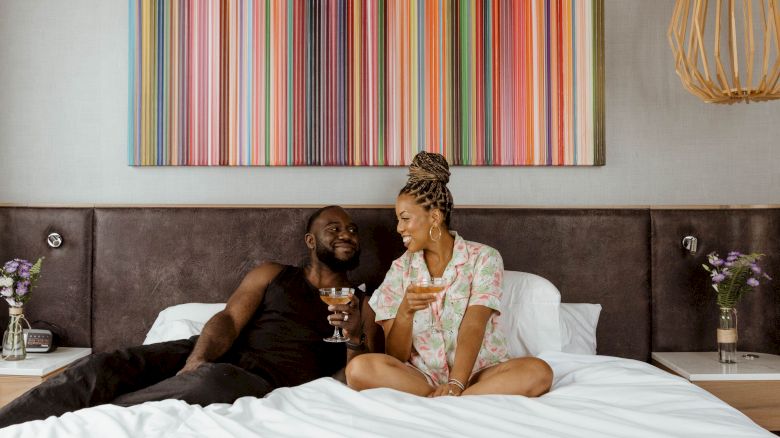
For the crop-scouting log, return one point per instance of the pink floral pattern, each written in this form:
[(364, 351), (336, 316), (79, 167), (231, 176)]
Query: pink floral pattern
[(474, 276)]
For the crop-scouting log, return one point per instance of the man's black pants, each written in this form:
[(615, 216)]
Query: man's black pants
[(132, 376)]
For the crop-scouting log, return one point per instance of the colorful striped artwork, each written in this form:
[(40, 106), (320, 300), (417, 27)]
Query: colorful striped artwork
[(365, 82)]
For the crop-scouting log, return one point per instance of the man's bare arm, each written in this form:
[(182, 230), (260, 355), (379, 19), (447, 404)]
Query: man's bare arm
[(222, 329)]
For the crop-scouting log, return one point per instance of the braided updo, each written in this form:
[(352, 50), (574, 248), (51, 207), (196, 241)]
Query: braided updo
[(429, 174)]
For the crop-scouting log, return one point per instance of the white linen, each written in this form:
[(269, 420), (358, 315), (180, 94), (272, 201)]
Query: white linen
[(578, 327), (181, 321), (592, 396), (530, 314)]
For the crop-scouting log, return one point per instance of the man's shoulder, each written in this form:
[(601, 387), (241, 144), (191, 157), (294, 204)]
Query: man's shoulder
[(266, 272)]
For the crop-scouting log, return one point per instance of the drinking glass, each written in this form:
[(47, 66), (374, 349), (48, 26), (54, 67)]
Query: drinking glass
[(333, 296), (429, 286)]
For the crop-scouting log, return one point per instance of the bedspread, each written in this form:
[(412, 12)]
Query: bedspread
[(598, 396)]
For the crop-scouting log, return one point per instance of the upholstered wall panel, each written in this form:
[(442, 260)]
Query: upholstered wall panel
[(149, 258), (684, 309), (592, 255), (153, 258), (62, 296)]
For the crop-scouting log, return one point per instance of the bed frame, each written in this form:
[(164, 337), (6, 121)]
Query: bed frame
[(118, 267)]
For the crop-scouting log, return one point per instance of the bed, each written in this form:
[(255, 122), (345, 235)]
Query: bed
[(592, 396), (626, 260)]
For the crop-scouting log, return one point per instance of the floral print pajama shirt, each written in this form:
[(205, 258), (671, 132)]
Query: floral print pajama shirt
[(474, 276)]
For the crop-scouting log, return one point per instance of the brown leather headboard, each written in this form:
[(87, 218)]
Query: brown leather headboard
[(147, 259), (593, 256), (121, 266)]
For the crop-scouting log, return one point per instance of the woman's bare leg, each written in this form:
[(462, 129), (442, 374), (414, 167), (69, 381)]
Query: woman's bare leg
[(527, 376), (376, 370)]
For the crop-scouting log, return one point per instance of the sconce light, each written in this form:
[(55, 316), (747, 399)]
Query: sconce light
[(690, 243), (727, 53), (54, 240)]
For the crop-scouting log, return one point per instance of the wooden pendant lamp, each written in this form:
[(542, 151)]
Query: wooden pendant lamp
[(726, 51)]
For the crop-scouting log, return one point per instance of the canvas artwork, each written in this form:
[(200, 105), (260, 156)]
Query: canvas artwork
[(365, 82)]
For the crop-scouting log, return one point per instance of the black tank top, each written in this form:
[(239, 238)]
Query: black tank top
[(283, 340)]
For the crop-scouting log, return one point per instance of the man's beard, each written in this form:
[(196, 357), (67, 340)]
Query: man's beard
[(328, 257)]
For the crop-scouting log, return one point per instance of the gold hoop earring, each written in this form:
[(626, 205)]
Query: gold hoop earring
[(430, 233)]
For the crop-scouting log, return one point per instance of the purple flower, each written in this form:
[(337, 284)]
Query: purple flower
[(752, 282), (716, 262), (717, 278), (731, 258), (729, 264), (735, 253), (755, 268), (10, 267), (22, 288), (6, 291)]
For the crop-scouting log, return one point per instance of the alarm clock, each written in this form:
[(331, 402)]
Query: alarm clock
[(39, 340)]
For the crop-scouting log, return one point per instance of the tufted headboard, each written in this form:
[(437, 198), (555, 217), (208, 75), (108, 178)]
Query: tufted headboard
[(120, 266)]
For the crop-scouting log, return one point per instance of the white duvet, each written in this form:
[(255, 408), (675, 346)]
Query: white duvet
[(592, 396)]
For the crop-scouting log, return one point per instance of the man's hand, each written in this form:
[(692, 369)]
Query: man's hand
[(191, 365), (348, 318)]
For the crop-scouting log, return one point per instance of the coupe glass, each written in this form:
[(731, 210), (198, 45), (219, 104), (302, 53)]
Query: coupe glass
[(429, 286), (333, 296)]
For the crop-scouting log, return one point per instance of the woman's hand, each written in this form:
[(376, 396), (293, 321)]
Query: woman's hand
[(347, 317), (416, 301), (445, 389)]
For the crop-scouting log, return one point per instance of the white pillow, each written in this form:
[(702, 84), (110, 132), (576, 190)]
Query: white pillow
[(578, 327), (181, 321), (530, 314)]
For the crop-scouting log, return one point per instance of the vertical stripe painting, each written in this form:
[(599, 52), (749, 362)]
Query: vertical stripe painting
[(365, 82)]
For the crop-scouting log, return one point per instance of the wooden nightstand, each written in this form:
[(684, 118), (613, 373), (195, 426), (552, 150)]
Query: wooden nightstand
[(17, 377), (752, 386)]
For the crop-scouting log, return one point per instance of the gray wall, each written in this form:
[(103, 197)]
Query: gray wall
[(63, 115)]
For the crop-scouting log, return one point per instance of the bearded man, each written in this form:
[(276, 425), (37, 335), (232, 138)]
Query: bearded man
[(269, 335)]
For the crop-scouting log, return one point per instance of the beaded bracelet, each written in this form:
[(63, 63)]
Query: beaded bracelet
[(457, 383)]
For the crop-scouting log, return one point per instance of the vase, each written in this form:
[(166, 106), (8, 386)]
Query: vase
[(727, 335), (13, 338)]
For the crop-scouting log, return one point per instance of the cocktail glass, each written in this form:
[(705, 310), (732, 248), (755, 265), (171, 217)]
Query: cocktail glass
[(333, 296)]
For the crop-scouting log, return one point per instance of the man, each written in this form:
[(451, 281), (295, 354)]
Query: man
[(269, 335)]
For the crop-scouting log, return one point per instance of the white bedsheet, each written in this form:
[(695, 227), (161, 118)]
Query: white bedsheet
[(598, 396)]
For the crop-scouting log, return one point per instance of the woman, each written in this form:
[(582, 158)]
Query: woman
[(446, 343)]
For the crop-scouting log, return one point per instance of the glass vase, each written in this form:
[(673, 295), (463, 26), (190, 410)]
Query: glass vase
[(13, 338), (727, 335)]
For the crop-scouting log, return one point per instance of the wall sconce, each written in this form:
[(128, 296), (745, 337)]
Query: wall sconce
[(690, 243), (54, 240), (728, 53)]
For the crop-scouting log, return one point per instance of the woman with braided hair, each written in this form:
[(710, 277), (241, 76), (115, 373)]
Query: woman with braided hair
[(445, 343)]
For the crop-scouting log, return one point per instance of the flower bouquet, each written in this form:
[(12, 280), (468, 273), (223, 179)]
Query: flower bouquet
[(17, 278), (732, 278)]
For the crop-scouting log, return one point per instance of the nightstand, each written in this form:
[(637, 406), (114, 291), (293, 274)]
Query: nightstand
[(751, 386), (16, 377)]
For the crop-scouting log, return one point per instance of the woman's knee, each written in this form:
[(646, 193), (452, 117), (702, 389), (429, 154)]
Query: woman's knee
[(542, 376), (363, 369)]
